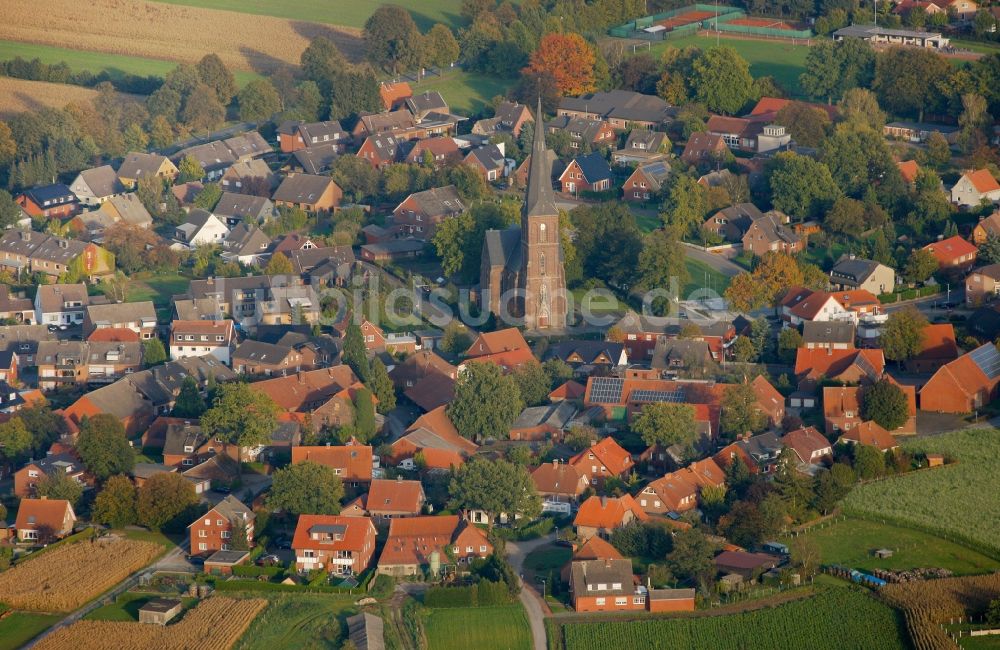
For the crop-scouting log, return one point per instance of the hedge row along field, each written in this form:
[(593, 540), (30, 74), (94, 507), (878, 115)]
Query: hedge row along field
[(928, 603), (169, 32), (839, 617), (215, 624), (71, 575), (957, 501)]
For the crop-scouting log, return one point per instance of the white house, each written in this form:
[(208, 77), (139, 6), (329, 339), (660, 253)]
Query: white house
[(197, 338), (61, 304), (96, 185), (818, 306), (974, 187), (201, 227)]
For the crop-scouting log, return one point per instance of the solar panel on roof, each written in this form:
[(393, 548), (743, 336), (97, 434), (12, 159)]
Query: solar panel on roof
[(863, 363), (987, 358), (606, 390), (651, 396)]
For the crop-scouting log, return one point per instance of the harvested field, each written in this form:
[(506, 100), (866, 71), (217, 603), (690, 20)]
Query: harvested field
[(215, 624), (686, 19), (71, 575), (762, 22), (170, 32), (18, 95)]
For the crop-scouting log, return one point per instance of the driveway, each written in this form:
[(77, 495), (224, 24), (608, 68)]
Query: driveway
[(717, 262), (516, 552)]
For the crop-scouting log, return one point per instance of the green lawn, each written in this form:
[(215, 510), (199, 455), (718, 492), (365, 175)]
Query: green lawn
[(18, 628), (336, 12), (96, 62), (126, 607), (299, 621), (465, 92), (703, 276), (483, 628), (778, 59), (158, 288), (647, 222), (850, 542), (991, 642), (545, 558), (976, 46)]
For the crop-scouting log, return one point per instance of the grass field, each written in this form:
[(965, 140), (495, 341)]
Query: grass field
[(349, 14), (299, 621), (484, 628), (839, 617), (778, 59), (126, 607), (547, 557), (850, 543), (703, 276), (160, 289), (956, 501), (465, 92), (17, 628)]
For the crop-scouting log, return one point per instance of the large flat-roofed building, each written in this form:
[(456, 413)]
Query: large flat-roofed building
[(884, 36)]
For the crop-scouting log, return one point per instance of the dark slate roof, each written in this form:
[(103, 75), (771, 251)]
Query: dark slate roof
[(853, 270), (587, 350), (315, 133), (594, 167), (489, 156), (246, 240), (557, 415), (539, 199), (683, 350), (55, 194), (439, 201), (181, 435), (606, 572), (243, 205), (503, 247), (620, 104), (827, 332), (102, 181), (302, 188), (317, 159)]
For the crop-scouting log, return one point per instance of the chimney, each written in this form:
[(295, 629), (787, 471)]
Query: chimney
[(607, 563), (604, 502)]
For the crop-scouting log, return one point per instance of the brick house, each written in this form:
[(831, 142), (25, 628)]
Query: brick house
[(351, 462), (623, 109), (26, 478), (600, 516), (388, 499), (413, 542), (583, 132), (214, 531), (704, 148), (394, 94), (965, 384), (642, 146), (510, 117), (314, 194), (44, 520), (982, 285), (196, 338), (953, 254), (301, 135), (679, 491), (769, 233), (379, 150), (341, 545), (440, 151), (419, 214), (54, 201), (937, 348), (809, 445), (433, 439), (646, 182), (184, 445), (587, 173), (559, 482), (488, 160), (601, 460), (137, 166), (605, 585), (259, 358), (848, 366)]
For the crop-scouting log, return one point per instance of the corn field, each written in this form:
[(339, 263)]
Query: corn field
[(929, 603), (19, 95), (171, 32), (71, 575), (215, 624)]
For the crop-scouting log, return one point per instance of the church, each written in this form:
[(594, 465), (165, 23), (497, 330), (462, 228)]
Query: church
[(522, 274)]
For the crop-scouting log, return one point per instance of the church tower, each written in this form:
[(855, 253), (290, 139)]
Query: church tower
[(541, 278)]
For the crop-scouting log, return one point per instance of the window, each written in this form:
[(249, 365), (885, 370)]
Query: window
[(203, 546), (616, 586), (482, 549), (469, 549), (220, 522), (637, 600), (621, 601), (226, 534), (202, 533), (541, 233), (600, 602)]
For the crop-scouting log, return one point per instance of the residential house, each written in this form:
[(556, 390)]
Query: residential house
[(246, 245), (317, 159), (216, 529), (584, 355), (127, 209), (963, 10), (848, 366), (488, 160), (800, 306), (327, 394), (982, 285), (543, 422), (419, 365), (23, 251), (918, 132), (341, 545), (673, 356), (587, 173), (605, 585), (388, 499), (235, 209), (732, 223), (137, 166), (397, 121), (583, 133), (623, 109), (393, 250), (17, 308), (600, 516), (301, 135), (678, 491), (61, 304), (140, 317), (380, 149), (987, 226), (425, 103), (54, 201), (96, 185), (8, 375), (491, 343), (953, 254), (419, 214), (642, 146), (770, 403), (309, 193), (975, 187), (201, 228), (602, 460), (394, 94), (754, 134), (510, 117), (965, 384), (62, 363), (769, 107), (646, 182), (828, 335), (257, 300), (42, 521), (809, 445), (196, 338), (769, 233), (760, 453), (417, 543), (559, 482), (213, 157), (238, 177), (937, 348), (909, 169), (186, 193), (842, 409), (27, 477), (351, 462), (438, 152), (746, 565), (704, 148), (434, 441), (185, 445), (870, 434), (853, 273), (258, 358)]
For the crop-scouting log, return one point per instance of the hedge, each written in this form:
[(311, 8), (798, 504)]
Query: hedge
[(484, 593), (257, 571), (533, 530)]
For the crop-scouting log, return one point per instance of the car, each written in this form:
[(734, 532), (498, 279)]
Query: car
[(63, 327), (196, 560), (268, 560), (53, 328), (223, 489)]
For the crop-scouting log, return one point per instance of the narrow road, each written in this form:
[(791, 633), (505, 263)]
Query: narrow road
[(717, 262), (516, 552)]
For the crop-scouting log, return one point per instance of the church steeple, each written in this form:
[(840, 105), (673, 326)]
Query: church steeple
[(539, 199)]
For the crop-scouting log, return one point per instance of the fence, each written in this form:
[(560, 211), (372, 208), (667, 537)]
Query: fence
[(634, 29), (722, 24)]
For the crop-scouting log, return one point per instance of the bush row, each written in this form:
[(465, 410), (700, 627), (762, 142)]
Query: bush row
[(484, 593)]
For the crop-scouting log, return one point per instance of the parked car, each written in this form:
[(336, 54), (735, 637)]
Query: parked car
[(196, 560), (268, 560)]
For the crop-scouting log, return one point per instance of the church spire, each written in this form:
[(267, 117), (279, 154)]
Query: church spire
[(539, 199)]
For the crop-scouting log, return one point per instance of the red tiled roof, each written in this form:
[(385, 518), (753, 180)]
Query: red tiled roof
[(297, 391), (432, 391), (355, 461), (805, 442), (908, 169), (394, 496), (114, 335), (508, 360), (596, 548), (870, 433), (411, 540), (856, 299), (39, 513), (570, 390), (609, 453), (938, 343), (983, 181), (607, 512), (394, 93), (353, 538), (810, 306), (499, 341), (794, 295), (947, 250), (559, 478), (770, 106), (820, 362)]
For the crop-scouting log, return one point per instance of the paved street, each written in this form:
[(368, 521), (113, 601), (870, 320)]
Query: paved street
[(516, 552), (717, 262)]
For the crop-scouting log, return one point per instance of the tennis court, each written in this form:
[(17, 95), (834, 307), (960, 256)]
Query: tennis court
[(763, 22), (686, 19)]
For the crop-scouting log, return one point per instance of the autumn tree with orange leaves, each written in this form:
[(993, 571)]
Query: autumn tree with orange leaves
[(775, 273), (569, 59)]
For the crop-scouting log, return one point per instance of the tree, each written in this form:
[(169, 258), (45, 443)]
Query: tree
[(909, 81), (902, 335), (743, 350), (861, 110), (216, 75), (202, 110), (364, 415), (938, 152), (134, 138), (740, 413), (392, 40), (354, 352), (568, 59), (353, 92), (835, 67), (103, 447), (59, 485), (805, 554), (161, 133), (533, 85), (846, 217), (769, 281), (455, 338), (356, 176), (993, 612), (44, 425), (869, 462), (153, 352), (306, 489), (321, 63), (486, 402), (190, 169), (921, 265), (974, 119), (886, 404), (667, 425), (381, 385), (861, 159), (691, 557), (240, 416), (800, 186), (533, 383), (189, 403), (115, 504), (721, 79), (278, 265), (440, 47), (8, 147), (15, 440), (164, 498), (258, 101), (495, 487), (789, 342), (662, 266), (558, 372), (209, 196), (807, 124), (989, 250)]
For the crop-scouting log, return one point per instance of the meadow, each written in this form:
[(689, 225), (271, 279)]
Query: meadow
[(489, 628), (297, 621), (17, 628), (958, 501), (838, 617), (466, 92)]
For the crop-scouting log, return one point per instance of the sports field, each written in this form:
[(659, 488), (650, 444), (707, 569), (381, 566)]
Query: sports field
[(350, 13), (762, 22), (686, 19)]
